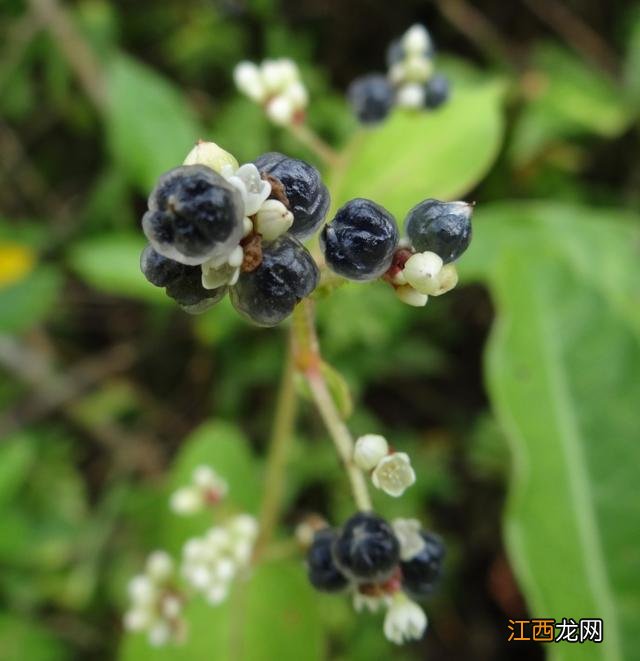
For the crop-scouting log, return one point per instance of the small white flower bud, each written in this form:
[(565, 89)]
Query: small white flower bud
[(369, 450), (404, 621), (407, 294), (235, 259), (137, 619), (200, 577), (394, 474), (224, 570), (410, 95), (397, 73), (171, 607), (298, 95), (209, 154), (186, 500), (217, 593), (141, 589), (445, 281), (217, 539), (248, 80), (273, 219), (192, 550), (416, 39), (159, 634), (280, 110), (244, 526), (421, 269), (247, 227), (417, 69), (289, 74), (159, 566), (407, 532)]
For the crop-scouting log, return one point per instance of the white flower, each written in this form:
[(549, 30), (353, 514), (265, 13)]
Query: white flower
[(137, 619), (369, 450), (445, 281), (273, 219), (142, 589), (280, 110), (185, 501), (407, 294), (410, 95), (247, 227), (394, 474), (159, 566), (407, 532), (252, 187), (404, 621), (244, 526), (159, 634), (211, 155), (217, 593), (421, 269), (417, 69), (368, 602), (297, 95), (416, 40), (248, 79)]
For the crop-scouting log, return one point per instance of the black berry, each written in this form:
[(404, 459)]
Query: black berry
[(371, 98), (182, 283), (321, 567), (360, 241), (436, 91), (440, 227), (194, 214), (421, 573), (366, 549), (286, 275), (308, 197)]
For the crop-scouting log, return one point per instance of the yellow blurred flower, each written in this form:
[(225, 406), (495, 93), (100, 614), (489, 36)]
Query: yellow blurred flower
[(16, 262)]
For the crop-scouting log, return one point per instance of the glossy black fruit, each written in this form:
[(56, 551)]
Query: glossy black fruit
[(360, 241), (308, 197), (371, 98), (286, 275), (366, 549), (194, 214), (440, 227), (182, 283), (321, 567), (421, 573), (436, 91)]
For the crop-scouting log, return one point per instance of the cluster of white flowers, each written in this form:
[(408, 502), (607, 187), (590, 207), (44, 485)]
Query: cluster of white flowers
[(424, 274), (267, 217), (207, 488), (156, 606), (390, 471), (414, 68), (276, 85), (211, 562)]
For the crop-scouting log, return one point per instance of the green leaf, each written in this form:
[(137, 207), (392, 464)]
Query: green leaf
[(412, 156), (111, 263), (29, 301), (17, 455), (150, 127), (274, 615), (570, 98), (222, 447), (562, 370)]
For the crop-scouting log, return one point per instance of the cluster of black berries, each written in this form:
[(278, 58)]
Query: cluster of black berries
[(410, 82), (367, 556), (363, 243), (240, 233)]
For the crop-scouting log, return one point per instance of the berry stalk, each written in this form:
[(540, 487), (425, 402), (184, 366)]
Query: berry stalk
[(308, 360)]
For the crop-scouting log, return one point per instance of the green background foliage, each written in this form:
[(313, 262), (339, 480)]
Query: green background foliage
[(516, 395)]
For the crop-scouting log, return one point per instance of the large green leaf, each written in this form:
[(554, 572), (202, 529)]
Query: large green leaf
[(562, 372), (149, 125), (274, 615), (412, 156)]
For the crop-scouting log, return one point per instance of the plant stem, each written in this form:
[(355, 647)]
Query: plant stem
[(309, 138), (309, 362), (279, 447)]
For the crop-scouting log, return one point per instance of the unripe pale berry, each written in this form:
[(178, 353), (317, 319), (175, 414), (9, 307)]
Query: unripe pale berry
[(369, 450), (421, 269)]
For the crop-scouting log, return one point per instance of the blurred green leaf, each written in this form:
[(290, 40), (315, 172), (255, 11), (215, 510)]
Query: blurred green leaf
[(222, 447), (21, 638), (566, 282), (29, 301), (338, 388), (417, 155), (632, 58), (16, 457), (271, 616), (569, 98), (149, 124), (111, 263)]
